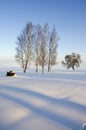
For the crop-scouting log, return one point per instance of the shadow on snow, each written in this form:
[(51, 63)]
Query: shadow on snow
[(56, 117)]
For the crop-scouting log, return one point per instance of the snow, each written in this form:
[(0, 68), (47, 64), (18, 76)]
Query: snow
[(50, 101)]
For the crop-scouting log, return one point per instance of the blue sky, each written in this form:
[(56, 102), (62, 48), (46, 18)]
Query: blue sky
[(68, 16)]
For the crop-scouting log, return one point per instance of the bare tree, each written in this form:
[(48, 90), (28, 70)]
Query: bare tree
[(24, 44), (53, 44), (72, 61), (43, 52), (37, 48)]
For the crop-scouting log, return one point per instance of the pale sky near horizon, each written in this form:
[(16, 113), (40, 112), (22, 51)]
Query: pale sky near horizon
[(68, 16)]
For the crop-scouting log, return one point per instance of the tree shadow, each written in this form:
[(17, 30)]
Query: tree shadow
[(44, 97), (43, 112), (56, 117)]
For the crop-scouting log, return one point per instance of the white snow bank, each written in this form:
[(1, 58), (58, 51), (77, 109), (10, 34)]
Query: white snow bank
[(53, 101)]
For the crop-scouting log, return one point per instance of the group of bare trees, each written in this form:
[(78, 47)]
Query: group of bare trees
[(38, 44)]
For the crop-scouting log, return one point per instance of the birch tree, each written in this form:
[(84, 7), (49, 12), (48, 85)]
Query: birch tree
[(53, 44), (37, 44), (24, 45), (44, 53)]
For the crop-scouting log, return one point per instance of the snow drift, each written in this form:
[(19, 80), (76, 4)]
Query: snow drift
[(53, 101)]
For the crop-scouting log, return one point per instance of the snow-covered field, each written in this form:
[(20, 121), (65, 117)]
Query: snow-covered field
[(53, 101)]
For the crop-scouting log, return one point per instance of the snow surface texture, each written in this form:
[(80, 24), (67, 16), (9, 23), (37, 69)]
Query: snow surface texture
[(53, 101)]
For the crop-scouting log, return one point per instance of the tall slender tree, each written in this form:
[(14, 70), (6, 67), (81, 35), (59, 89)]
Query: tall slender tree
[(44, 53), (24, 44), (53, 44), (37, 48)]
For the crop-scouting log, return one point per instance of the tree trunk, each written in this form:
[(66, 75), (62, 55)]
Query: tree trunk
[(73, 67), (49, 64), (43, 65), (43, 69), (37, 68), (25, 68)]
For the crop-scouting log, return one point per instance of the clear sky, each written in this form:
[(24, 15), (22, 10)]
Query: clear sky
[(68, 16)]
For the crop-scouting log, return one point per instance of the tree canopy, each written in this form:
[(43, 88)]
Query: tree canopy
[(71, 61)]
